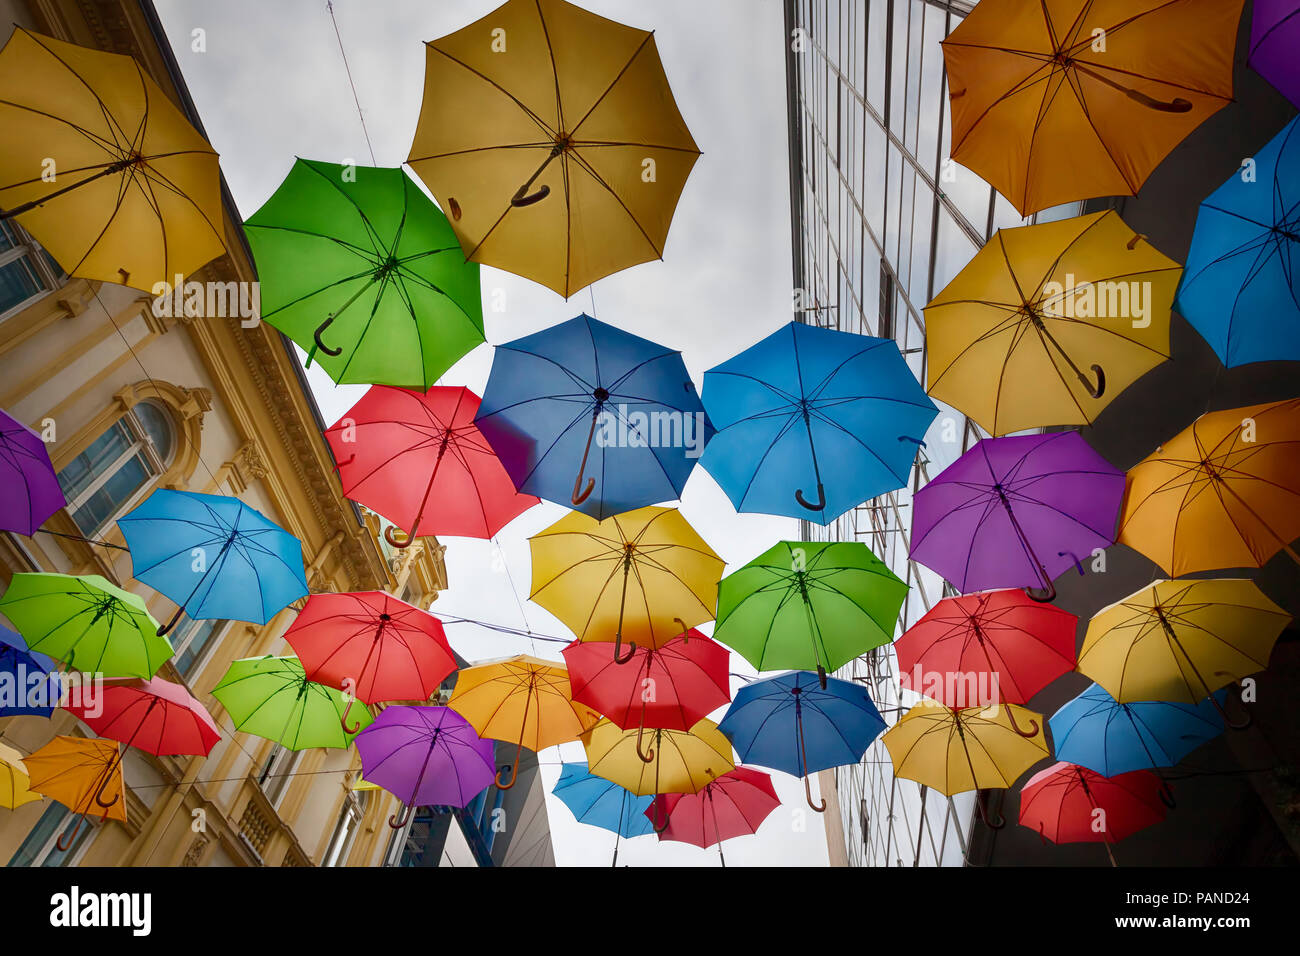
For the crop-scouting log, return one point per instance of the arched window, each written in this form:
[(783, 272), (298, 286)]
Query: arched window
[(345, 831), (111, 474)]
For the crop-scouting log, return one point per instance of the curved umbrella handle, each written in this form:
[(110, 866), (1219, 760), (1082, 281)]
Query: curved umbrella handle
[(807, 792), (1042, 595), (396, 823), (68, 836), (514, 773), (979, 805), (1100, 388), (1011, 719), (343, 720), (320, 345), (818, 505), (631, 650), (388, 536), (1226, 719), (519, 200), (1078, 565), (99, 794), (685, 635), (164, 628), (647, 756), (654, 819), (581, 494), (821, 676)]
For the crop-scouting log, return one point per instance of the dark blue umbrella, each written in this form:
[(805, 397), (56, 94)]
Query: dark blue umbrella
[(31, 691), (597, 802), (1096, 731), (812, 408), (586, 402), (790, 723), (214, 556), (1241, 285)]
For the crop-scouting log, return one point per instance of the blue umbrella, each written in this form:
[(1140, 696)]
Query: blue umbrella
[(1097, 732), (1240, 287), (790, 723), (599, 803), (586, 401), (17, 666), (811, 407), (214, 556)]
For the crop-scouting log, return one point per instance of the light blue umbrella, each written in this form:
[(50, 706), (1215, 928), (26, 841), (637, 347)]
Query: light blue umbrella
[(812, 422), (597, 802), (790, 723), (214, 556), (1241, 286)]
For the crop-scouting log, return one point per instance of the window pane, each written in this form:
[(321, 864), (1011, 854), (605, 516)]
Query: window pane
[(196, 635), (17, 284), (158, 427), (52, 821)]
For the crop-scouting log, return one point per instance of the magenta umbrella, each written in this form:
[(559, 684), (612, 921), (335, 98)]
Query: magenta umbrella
[(1274, 39), (29, 490), (1016, 512), (425, 756)]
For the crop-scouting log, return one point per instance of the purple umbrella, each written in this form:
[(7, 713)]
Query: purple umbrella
[(1016, 512), (29, 490), (425, 756), (1274, 39)]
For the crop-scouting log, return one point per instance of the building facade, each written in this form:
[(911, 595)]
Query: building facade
[(882, 220), (131, 401)]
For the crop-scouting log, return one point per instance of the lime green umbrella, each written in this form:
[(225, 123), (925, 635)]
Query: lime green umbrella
[(271, 697), (364, 272), (86, 622), (806, 605)]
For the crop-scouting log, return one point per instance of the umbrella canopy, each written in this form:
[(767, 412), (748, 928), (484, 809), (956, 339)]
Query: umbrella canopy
[(1223, 493), (646, 575), (1050, 105), (272, 698), (365, 274), (979, 649), (1274, 38), (552, 138), (524, 700), (85, 775), (971, 748), (1241, 289), (372, 645), (388, 442), (1181, 640), (15, 785), (214, 556), (597, 802), (425, 756), (26, 686), (812, 422), (31, 491), (584, 401), (735, 804), (1096, 731), (681, 761), (87, 623), (135, 197), (1062, 804), (797, 724), (1016, 512), (672, 686), (809, 604), (1048, 323)]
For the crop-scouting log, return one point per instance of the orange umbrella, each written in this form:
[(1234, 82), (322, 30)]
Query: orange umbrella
[(1224, 493), (1057, 100), (80, 773)]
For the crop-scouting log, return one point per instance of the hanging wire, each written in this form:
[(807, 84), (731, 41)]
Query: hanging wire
[(329, 5)]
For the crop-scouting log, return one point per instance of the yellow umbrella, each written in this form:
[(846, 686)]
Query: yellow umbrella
[(973, 748), (1223, 493), (1059, 100), (645, 574), (1048, 323), (521, 699), (551, 139), (1181, 640), (101, 167), (84, 774), (14, 782), (679, 761)]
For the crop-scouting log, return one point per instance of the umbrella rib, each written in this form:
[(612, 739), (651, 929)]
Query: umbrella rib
[(551, 135), (612, 83)]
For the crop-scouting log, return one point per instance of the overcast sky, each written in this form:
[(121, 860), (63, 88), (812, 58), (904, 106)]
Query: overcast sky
[(271, 86)]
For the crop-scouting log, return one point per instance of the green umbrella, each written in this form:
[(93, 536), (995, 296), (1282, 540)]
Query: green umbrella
[(805, 605), (86, 622), (363, 271), (272, 698)]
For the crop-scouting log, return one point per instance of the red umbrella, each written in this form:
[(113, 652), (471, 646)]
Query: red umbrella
[(673, 687), (733, 805), (987, 648), (1067, 803), (153, 715), (371, 645), (419, 460)]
